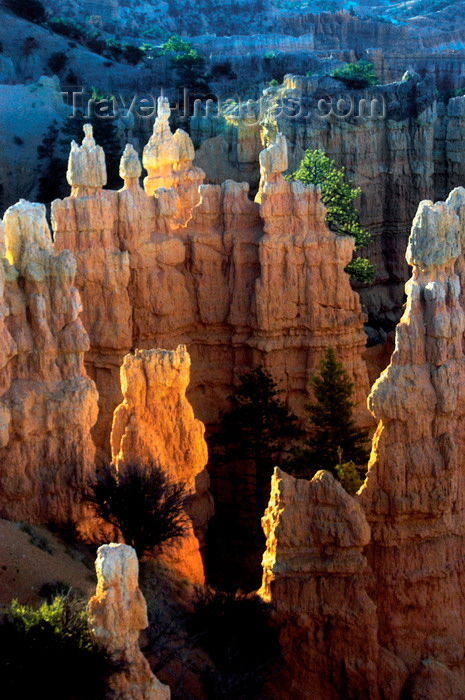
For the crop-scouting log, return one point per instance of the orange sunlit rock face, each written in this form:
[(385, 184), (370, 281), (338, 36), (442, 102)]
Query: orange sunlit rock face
[(156, 423), (240, 283), (48, 404), (313, 574), (414, 493)]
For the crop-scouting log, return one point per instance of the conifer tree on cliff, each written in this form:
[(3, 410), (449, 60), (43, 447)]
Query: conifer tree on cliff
[(258, 427), (336, 439), (338, 195)]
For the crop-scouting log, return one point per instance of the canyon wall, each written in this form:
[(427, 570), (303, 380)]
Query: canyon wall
[(398, 152), (371, 587), (117, 614), (238, 282), (155, 424), (48, 404)]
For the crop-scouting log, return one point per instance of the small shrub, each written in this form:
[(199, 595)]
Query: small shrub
[(67, 27), (273, 83), (361, 270), (42, 652), (54, 589), (350, 476), (141, 503), (356, 75), (57, 61), (32, 10), (223, 70), (235, 630), (132, 54)]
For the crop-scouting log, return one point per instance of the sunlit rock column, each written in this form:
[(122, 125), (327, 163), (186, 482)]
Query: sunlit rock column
[(414, 493), (156, 423), (117, 614), (48, 404)]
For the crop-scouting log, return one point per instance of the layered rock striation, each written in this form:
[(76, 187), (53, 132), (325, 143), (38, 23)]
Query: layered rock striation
[(117, 614), (155, 424), (238, 282), (48, 404), (396, 550), (413, 495)]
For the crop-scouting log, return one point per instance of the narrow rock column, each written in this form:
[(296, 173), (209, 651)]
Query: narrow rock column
[(117, 614), (414, 495), (156, 423), (87, 171)]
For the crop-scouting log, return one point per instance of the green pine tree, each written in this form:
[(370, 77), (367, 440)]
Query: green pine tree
[(335, 438), (338, 196), (258, 427)]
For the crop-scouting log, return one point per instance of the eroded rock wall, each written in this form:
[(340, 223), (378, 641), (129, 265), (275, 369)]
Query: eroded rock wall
[(238, 282), (405, 149), (313, 574), (48, 404)]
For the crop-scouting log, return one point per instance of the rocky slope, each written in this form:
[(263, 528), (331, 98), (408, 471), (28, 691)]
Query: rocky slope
[(48, 404), (395, 630)]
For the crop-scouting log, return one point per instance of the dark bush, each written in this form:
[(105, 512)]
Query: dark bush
[(57, 61), (67, 27), (223, 70), (43, 652), (132, 54), (33, 10), (236, 632), (141, 503)]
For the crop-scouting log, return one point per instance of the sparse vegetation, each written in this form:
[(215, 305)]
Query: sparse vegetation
[(44, 649), (350, 476), (141, 503), (32, 10), (189, 65), (356, 75), (57, 61), (35, 538)]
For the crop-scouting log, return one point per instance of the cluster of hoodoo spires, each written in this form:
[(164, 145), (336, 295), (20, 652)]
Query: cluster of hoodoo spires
[(368, 588)]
